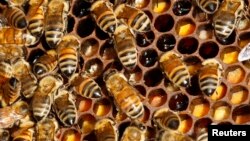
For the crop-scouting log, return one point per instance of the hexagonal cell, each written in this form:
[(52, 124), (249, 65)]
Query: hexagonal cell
[(178, 102), (107, 50), (148, 57), (185, 27), (101, 34), (160, 6), (134, 76), (219, 93), (71, 24), (221, 111), (186, 123), (81, 8), (199, 15), (238, 94), (229, 40), (193, 64), (201, 123), (164, 23), (145, 39), (102, 107), (205, 31), (182, 7), (86, 123), (141, 4), (235, 74), (145, 116), (208, 50), (153, 77), (244, 39), (199, 107), (82, 31), (83, 104), (229, 55), (157, 97), (71, 134), (34, 55), (166, 42), (169, 86), (89, 47), (187, 45), (141, 89), (94, 67), (241, 114)]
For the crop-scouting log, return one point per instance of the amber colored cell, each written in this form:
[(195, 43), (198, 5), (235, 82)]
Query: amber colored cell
[(238, 94), (193, 64), (178, 102), (187, 45), (186, 123), (243, 39), (89, 47), (219, 93), (221, 110), (71, 135), (235, 74), (102, 107), (157, 97), (86, 123), (94, 67), (201, 123), (164, 23), (208, 50), (199, 107), (160, 6), (107, 50), (185, 27), (146, 115), (241, 114), (229, 55), (84, 104)]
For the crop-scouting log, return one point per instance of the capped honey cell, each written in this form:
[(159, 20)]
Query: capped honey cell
[(199, 107)]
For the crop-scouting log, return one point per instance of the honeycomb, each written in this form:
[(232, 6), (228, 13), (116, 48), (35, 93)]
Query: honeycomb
[(176, 25)]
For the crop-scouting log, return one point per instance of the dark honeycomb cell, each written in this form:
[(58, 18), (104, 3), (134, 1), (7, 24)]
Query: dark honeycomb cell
[(208, 50), (193, 64), (227, 41), (241, 114), (164, 23), (244, 39), (85, 27), (148, 57), (182, 7), (94, 67), (188, 45), (194, 88), (107, 50), (225, 123), (201, 123), (178, 102), (157, 97), (149, 14), (101, 34), (89, 47), (199, 15), (153, 77), (141, 89), (122, 128), (146, 115), (166, 42), (145, 39), (34, 55), (71, 24), (81, 8)]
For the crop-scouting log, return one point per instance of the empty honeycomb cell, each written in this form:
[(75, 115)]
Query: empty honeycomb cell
[(83, 104), (208, 50), (153, 77), (89, 47), (228, 40), (146, 115), (238, 94), (164, 23), (229, 55), (199, 15), (160, 6), (194, 88), (102, 107), (100, 34), (185, 27), (71, 24), (148, 57), (86, 122), (145, 39), (186, 123), (244, 39), (182, 7), (219, 93), (199, 107), (81, 8), (178, 102), (94, 67), (71, 135), (85, 27), (220, 111), (107, 50), (201, 123), (241, 114), (193, 64), (205, 31), (141, 89), (157, 97), (34, 54), (234, 74), (166, 42), (187, 45)]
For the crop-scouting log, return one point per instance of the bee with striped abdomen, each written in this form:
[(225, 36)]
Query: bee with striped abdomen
[(65, 108), (175, 69), (56, 21), (4, 135), (209, 76), (68, 55), (208, 6), (125, 46), (5, 72), (102, 12), (126, 97), (134, 133), (11, 91), (8, 52), (105, 130), (171, 135)]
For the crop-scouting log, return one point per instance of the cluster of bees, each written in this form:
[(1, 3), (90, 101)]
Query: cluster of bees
[(53, 81)]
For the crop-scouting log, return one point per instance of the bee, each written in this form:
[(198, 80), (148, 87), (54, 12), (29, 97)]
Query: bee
[(56, 21), (68, 55), (46, 63), (244, 53), (4, 135), (208, 6), (16, 3), (175, 69), (209, 76), (65, 108), (134, 133), (134, 18), (171, 135), (166, 119), (125, 46), (228, 17), (5, 72), (126, 97), (24, 134), (11, 114), (11, 52), (202, 135), (11, 91), (105, 130), (44, 96), (102, 12)]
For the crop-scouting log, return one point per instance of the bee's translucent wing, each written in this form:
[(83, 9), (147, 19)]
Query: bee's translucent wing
[(244, 53)]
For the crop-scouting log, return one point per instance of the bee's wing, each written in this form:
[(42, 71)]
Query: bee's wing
[(244, 53)]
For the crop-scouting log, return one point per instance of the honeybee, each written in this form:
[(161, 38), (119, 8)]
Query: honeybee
[(244, 53), (135, 18), (134, 133), (102, 12), (171, 135), (44, 96), (56, 21), (5, 72), (228, 17), (17, 3), (209, 76), (135, 3), (165, 119), (65, 108), (11, 114), (125, 46), (68, 55), (24, 134), (11, 52), (175, 69), (202, 135), (46, 63), (4, 135), (11, 90), (105, 130), (126, 97), (208, 6)]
